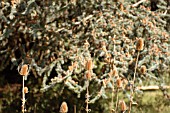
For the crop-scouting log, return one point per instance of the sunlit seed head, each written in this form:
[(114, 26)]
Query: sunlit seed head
[(143, 69), (119, 83), (89, 65), (140, 44), (25, 90), (123, 105), (24, 70), (63, 107)]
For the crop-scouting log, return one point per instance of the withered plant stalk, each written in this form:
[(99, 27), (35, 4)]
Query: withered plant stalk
[(117, 100), (134, 76), (111, 64), (87, 98), (23, 95)]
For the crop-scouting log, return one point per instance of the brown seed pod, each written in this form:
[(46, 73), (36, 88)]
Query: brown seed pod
[(88, 75), (89, 65), (119, 83), (63, 107), (25, 90), (115, 72), (24, 70), (140, 44), (123, 105), (143, 69)]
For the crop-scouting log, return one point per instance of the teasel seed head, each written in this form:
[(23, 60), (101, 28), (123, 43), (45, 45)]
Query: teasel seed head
[(25, 90), (140, 44), (63, 107), (143, 69), (119, 83), (89, 65), (115, 72), (24, 70), (123, 105), (88, 75)]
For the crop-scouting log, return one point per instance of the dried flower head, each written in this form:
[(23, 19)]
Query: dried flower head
[(89, 65), (25, 90), (123, 105), (88, 75), (119, 83), (115, 72), (63, 107), (143, 69), (140, 44), (24, 70)]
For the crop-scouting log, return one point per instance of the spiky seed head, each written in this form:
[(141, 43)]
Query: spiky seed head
[(140, 44), (25, 90), (115, 72), (24, 70), (89, 65), (123, 105), (88, 75), (119, 83), (63, 107), (143, 69)]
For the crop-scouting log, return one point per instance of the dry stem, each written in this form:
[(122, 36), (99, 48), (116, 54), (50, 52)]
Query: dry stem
[(136, 4), (23, 95), (117, 100), (131, 92), (135, 67), (87, 99)]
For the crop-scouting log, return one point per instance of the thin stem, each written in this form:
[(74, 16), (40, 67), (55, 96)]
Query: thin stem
[(74, 108), (135, 68), (130, 105), (117, 100), (23, 95), (87, 99), (112, 98), (111, 64), (132, 89), (136, 4)]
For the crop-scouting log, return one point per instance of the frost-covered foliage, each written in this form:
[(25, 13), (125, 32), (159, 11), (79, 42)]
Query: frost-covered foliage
[(61, 36)]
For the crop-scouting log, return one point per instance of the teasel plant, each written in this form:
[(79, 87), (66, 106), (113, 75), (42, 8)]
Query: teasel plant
[(23, 70), (63, 107), (113, 73), (88, 75), (139, 47)]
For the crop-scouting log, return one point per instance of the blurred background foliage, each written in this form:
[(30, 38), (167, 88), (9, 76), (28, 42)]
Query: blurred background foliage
[(57, 37)]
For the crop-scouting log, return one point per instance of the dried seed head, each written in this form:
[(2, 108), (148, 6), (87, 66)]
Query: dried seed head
[(24, 70), (25, 90), (143, 69), (119, 83), (115, 72), (123, 105), (121, 7), (63, 107), (89, 65), (140, 44), (88, 75)]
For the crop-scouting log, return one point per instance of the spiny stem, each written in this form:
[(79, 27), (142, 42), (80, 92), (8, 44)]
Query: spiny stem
[(111, 64), (131, 92), (74, 108), (117, 100), (135, 68), (23, 95), (112, 99), (87, 98)]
